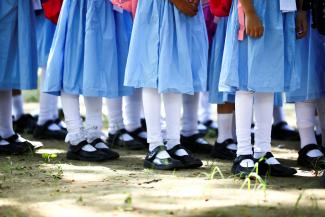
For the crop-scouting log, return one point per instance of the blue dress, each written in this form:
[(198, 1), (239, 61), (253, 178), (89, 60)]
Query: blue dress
[(310, 64), (89, 49), (168, 50), (45, 30), (265, 64), (18, 65), (215, 61)]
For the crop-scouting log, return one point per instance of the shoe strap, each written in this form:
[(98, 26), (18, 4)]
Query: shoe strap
[(98, 140), (281, 124), (12, 138), (77, 148), (153, 154), (307, 148), (240, 158), (138, 131), (178, 147), (47, 124)]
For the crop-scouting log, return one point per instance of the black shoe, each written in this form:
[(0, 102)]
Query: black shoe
[(240, 171), (111, 155), (25, 124), (188, 161), (310, 162), (136, 135), (209, 125), (196, 144), (143, 124), (319, 139), (115, 141), (280, 132), (277, 170), (43, 132), (58, 122), (221, 151), (322, 180), (16, 146), (164, 164), (75, 152)]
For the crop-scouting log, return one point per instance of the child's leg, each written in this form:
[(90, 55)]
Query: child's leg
[(132, 116), (94, 123), (116, 132), (263, 109), (225, 122), (173, 105), (305, 112), (71, 109), (310, 154), (278, 115), (190, 137), (6, 129), (190, 114), (114, 113), (244, 113), (321, 115), (225, 146), (204, 107), (132, 110), (152, 110), (17, 104)]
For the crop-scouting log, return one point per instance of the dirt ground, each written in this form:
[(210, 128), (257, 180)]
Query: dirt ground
[(46, 185)]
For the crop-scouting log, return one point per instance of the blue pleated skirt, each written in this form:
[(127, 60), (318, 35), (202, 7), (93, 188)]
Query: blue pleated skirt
[(215, 61), (18, 65), (265, 64), (89, 50), (168, 50), (45, 30), (310, 64)]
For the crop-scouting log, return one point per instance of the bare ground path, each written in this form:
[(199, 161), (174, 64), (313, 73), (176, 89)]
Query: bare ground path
[(42, 185)]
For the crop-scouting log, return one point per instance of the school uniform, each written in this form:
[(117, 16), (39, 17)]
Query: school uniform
[(255, 64), (256, 68), (167, 57), (168, 50), (84, 58), (18, 65)]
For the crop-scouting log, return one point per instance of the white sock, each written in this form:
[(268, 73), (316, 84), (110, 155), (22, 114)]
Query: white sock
[(114, 113), (321, 115), (48, 103), (152, 111), (6, 129), (94, 122), (263, 108), (278, 114), (190, 114), (225, 127), (247, 163), (132, 110), (71, 109), (234, 136), (204, 107), (18, 106), (244, 110), (173, 105), (305, 112)]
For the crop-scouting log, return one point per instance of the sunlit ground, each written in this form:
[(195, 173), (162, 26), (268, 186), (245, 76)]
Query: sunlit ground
[(46, 184)]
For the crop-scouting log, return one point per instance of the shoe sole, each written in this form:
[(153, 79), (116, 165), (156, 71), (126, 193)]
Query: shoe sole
[(71, 156), (150, 165)]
